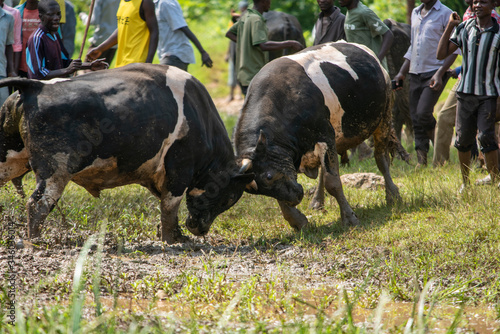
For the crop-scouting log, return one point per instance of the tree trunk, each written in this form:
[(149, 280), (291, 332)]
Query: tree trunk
[(410, 4)]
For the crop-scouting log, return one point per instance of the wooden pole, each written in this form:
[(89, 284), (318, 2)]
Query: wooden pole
[(86, 28)]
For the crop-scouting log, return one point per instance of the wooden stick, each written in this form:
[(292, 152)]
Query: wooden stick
[(86, 28)]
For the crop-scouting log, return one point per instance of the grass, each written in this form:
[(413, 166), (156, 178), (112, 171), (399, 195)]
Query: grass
[(429, 264)]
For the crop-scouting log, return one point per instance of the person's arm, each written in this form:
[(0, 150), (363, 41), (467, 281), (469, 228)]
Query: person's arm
[(274, 45), (437, 79), (205, 58), (387, 40), (403, 71), (445, 46), (111, 41), (232, 36), (232, 33), (150, 16)]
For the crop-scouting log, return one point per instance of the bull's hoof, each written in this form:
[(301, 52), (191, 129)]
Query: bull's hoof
[(298, 221), (174, 237), (350, 220), (33, 231), (316, 205)]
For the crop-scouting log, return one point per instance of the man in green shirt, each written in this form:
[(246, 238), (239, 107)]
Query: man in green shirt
[(250, 36), (363, 26)]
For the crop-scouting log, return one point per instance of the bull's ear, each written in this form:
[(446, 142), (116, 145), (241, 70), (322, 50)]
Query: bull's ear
[(243, 178), (261, 143)]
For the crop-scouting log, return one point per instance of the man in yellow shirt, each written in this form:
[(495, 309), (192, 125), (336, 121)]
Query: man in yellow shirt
[(136, 35)]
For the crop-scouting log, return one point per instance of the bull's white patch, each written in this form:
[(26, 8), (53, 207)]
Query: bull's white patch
[(311, 62), (14, 166), (55, 80), (175, 80)]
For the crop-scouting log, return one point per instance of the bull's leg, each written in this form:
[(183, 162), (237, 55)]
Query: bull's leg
[(18, 184), (293, 216), (330, 163), (381, 141), (318, 200), (170, 229), (42, 201)]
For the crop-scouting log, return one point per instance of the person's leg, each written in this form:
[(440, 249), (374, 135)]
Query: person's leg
[(487, 136), (415, 92), (425, 110), (466, 129), (444, 129), (464, 159)]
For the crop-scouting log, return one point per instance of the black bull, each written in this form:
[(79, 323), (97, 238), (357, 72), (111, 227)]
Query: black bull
[(281, 27), (148, 124), (302, 109)]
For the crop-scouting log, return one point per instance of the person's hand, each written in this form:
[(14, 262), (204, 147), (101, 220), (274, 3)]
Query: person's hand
[(454, 19), (206, 60), (98, 64), (93, 54), (296, 45), (399, 78), (436, 82), (454, 72), (75, 65)]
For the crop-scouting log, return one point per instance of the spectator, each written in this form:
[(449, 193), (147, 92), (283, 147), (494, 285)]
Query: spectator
[(104, 20), (250, 36), (174, 48), (46, 56), (17, 47), (30, 21), (428, 75), (478, 90), (330, 24), (68, 29), (363, 26), (6, 53), (136, 34), (447, 115), (232, 81)]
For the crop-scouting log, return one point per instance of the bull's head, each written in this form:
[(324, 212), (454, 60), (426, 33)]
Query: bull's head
[(222, 190), (275, 173)]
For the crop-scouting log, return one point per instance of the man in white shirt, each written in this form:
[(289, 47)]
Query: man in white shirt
[(428, 75), (173, 47)]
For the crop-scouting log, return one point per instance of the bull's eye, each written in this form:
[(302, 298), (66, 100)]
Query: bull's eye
[(269, 176)]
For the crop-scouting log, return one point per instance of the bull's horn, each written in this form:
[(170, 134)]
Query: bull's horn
[(252, 185), (21, 83), (246, 164)]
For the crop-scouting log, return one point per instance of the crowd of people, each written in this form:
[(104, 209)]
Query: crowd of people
[(37, 41)]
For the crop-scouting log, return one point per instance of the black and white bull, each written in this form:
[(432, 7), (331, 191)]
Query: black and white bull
[(301, 110), (281, 27), (152, 125)]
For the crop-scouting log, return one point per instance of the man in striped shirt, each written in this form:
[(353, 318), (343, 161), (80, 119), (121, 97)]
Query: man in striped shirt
[(46, 56), (479, 40)]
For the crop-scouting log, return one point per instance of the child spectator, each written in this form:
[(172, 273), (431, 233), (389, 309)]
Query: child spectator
[(479, 40), (46, 56), (30, 21)]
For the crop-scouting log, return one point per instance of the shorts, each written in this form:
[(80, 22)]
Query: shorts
[(475, 113)]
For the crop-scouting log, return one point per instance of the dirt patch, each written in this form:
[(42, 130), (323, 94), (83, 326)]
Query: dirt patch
[(232, 108)]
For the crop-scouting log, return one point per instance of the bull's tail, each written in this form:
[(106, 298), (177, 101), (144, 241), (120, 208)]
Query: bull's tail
[(395, 147)]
